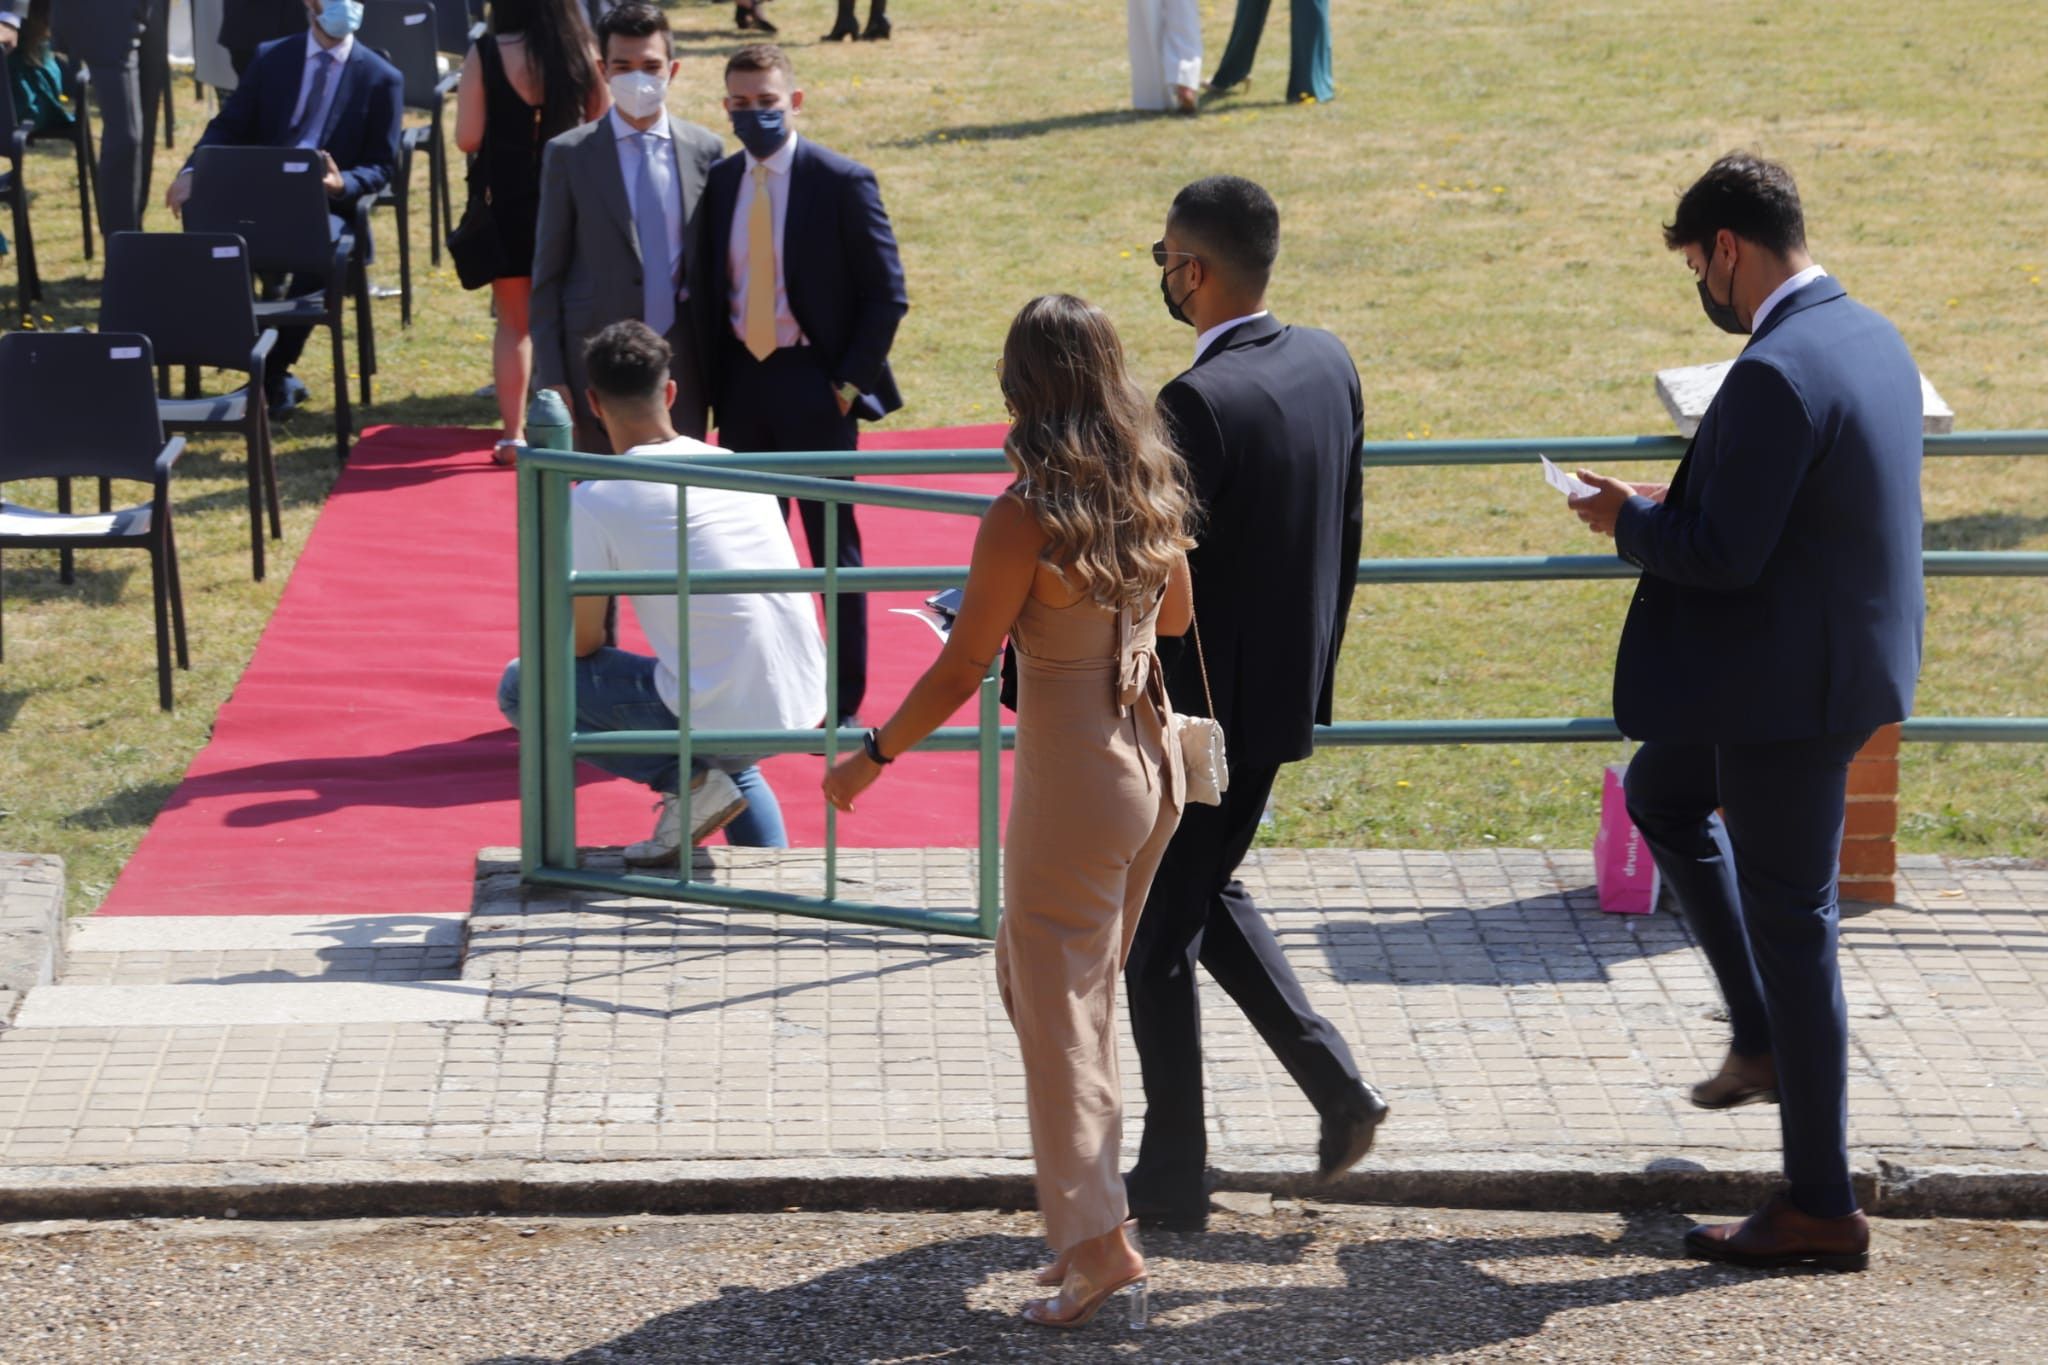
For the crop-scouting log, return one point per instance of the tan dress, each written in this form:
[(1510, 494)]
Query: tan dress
[(1096, 797)]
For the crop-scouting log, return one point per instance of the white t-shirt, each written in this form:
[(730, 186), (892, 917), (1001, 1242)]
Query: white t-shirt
[(757, 661)]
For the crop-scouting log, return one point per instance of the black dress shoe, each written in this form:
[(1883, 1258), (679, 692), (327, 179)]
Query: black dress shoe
[(1348, 1132), (1157, 1214), (284, 396), (877, 30)]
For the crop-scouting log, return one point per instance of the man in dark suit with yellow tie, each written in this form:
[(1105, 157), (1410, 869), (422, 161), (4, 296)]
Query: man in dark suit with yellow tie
[(1776, 626), (798, 289)]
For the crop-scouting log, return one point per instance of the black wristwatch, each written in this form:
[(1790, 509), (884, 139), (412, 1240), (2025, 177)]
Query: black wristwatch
[(871, 742)]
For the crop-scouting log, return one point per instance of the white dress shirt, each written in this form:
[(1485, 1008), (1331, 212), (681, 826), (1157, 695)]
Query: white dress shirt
[(757, 661), (737, 264), (1783, 292), (1208, 338), (340, 52), (626, 136)]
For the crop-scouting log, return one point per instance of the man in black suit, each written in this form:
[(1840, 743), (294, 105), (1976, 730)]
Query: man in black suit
[(1776, 626), (798, 288), (1270, 419)]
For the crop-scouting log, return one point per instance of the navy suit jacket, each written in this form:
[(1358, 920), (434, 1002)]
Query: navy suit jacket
[(1270, 421), (839, 263), (1782, 594), (362, 122)]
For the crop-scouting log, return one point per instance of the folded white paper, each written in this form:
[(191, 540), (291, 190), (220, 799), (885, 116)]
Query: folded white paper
[(1565, 483)]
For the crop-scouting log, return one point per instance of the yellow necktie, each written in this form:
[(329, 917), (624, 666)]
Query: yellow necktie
[(761, 270)]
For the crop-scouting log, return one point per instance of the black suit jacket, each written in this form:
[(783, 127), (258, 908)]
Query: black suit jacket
[(1271, 422), (840, 264), (1782, 594)]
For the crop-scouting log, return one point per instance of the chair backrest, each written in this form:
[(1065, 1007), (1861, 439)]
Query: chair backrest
[(405, 31), (188, 292), (454, 19), (78, 405), (270, 197)]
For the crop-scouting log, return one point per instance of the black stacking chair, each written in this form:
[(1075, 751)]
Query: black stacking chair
[(79, 135), (83, 405), (458, 24), (404, 31), (28, 281), (272, 198), (191, 294)]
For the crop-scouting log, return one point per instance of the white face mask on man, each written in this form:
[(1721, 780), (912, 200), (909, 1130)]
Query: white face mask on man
[(639, 94)]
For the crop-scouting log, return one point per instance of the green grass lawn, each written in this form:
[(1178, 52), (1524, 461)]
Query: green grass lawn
[(1476, 215)]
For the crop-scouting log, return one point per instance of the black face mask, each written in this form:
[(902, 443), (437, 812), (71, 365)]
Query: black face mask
[(1721, 314), (1174, 307)]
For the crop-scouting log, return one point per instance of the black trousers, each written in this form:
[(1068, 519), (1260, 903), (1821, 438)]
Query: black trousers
[(786, 403), (1756, 884), (1199, 912)]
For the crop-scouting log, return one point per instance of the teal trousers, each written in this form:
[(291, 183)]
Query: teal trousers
[(1308, 62)]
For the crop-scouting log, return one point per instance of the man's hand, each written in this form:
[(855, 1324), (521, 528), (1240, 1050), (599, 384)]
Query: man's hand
[(332, 180), (1602, 506), (178, 193), (8, 37)]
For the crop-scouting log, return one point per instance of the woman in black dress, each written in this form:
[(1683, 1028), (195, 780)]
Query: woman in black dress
[(535, 74)]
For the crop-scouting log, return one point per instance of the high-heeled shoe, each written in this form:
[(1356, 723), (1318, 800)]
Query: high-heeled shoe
[(1087, 1297), (845, 28), (877, 30)]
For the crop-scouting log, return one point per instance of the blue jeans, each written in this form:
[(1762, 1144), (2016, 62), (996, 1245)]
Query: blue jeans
[(615, 691)]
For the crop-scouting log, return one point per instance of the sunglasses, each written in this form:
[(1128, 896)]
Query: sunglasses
[(1160, 254)]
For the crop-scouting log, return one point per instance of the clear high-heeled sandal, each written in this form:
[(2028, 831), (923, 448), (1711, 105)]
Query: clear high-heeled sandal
[(1087, 1297)]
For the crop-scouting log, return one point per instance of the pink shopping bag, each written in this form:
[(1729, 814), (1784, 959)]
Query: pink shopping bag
[(1623, 870)]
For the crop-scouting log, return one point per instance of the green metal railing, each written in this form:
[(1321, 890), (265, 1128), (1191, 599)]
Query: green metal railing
[(549, 743)]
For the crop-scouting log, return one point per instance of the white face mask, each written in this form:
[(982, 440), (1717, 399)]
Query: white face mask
[(639, 94)]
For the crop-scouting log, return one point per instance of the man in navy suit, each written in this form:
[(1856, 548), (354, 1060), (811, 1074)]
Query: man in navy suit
[(796, 354), (1776, 626), (333, 96), (1269, 418)]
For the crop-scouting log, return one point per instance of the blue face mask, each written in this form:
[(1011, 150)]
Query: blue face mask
[(339, 18), (761, 131)]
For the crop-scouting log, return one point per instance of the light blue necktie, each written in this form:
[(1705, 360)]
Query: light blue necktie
[(650, 223), (306, 132)]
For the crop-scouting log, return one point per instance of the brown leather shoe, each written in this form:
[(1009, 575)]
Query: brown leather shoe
[(1778, 1234), (1740, 1081)]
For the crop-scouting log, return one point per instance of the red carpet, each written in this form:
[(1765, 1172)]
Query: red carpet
[(361, 762)]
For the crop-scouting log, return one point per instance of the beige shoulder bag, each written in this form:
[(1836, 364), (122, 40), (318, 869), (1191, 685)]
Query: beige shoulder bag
[(1201, 741)]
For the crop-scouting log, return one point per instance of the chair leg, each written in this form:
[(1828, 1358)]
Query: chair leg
[(366, 331), (269, 472), (83, 143), (160, 597), (404, 217), (343, 420), (255, 460), (67, 568), (3, 613), (436, 229), (177, 586)]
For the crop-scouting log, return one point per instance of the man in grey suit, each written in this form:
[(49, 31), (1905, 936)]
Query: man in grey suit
[(618, 198)]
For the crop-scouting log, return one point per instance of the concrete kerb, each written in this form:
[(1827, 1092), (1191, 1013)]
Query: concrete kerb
[(370, 1189), (31, 925)]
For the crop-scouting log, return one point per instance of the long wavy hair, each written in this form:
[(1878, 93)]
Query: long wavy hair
[(560, 44), (1094, 461)]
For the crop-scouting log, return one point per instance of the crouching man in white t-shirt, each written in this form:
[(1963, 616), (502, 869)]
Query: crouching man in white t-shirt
[(756, 659)]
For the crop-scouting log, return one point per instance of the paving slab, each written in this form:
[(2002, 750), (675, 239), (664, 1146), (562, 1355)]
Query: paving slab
[(628, 1053)]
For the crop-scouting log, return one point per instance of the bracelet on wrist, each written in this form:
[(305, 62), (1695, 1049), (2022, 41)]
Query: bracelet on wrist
[(871, 742)]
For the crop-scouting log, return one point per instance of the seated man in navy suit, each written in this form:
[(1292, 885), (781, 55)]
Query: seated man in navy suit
[(1776, 626), (329, 94), (797, 289)]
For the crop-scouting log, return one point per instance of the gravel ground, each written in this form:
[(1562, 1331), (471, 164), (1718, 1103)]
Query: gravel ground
[(1286, 1283)]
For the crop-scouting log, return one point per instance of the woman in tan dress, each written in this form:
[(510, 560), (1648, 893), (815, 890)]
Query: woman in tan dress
[(1081, 562)]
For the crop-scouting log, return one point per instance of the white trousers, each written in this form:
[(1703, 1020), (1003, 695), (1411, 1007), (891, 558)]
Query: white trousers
[(1166, 50)]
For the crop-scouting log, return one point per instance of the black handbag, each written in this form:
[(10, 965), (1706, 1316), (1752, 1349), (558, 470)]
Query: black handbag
[(473, 243)]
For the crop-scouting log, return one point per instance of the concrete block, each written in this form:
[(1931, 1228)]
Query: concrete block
[(31, 926), (1688, 390)]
